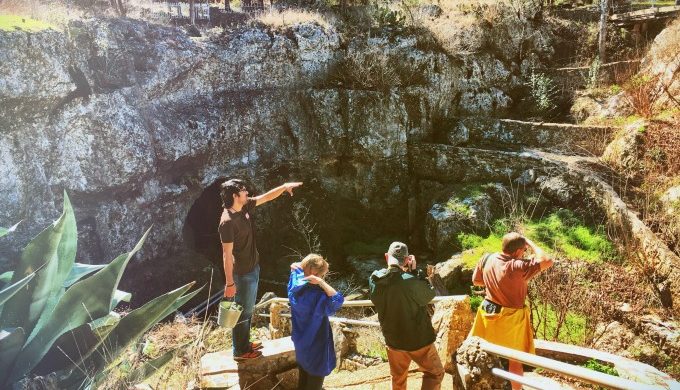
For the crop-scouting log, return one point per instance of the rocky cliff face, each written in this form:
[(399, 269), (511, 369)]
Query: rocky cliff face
[(135, 121)]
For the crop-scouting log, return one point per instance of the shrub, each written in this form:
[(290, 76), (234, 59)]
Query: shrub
[(594, 73), (475, 301), (389, 18), (543, 92), (58, 315), (550, 323), (643, 92), (571, 299), (375, 70)]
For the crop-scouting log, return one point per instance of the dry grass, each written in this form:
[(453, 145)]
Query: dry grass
[(290, 17), (456, 30), (198, 338)]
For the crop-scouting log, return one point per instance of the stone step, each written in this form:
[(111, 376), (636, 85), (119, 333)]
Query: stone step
[(219, 370), (510, 133)]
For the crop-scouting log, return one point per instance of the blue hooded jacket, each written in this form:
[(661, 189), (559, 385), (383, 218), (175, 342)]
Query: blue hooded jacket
[(312, 335)]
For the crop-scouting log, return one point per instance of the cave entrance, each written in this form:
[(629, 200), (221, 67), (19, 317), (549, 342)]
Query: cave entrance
[(200, 228)]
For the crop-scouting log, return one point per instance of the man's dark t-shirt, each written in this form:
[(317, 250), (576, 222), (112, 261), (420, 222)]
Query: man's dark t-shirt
[(238, 228)]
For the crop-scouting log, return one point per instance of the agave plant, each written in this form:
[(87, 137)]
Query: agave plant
[(57, 316)]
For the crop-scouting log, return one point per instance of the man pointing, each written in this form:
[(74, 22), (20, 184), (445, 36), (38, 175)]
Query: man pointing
[(240, 256)]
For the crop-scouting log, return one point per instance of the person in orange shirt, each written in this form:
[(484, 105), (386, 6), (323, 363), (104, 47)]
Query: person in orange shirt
[(503, 318)]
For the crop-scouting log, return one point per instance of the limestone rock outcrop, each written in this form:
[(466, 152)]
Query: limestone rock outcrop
[(662, 64), (136, 120)]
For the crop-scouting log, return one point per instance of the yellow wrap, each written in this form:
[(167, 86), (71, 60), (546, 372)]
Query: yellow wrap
[(510, 328)]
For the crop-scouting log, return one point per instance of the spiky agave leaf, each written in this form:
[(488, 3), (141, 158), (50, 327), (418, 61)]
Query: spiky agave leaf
[(86, 300)]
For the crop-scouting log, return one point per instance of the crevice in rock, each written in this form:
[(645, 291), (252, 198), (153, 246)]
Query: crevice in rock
[(83, 89)]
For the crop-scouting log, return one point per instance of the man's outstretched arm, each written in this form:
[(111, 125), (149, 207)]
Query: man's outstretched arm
[(276, 192)]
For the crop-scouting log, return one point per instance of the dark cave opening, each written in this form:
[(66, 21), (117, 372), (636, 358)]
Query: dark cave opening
[(200, 229)]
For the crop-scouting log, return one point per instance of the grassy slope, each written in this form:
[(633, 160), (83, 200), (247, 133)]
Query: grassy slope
[(561, 233), (16, 22)]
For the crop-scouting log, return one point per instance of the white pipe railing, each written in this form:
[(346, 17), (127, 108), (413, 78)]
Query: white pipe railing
[(529, 382), (363, 302), (569, 370), (346, 321)]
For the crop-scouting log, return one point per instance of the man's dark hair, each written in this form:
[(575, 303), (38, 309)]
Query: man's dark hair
[(512, 242), (228, 189)]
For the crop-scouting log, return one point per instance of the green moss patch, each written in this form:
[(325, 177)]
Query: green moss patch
[(16, 22)]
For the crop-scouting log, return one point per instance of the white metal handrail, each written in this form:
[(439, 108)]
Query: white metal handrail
[(534, 384), (363, 302), (347, 321), (577, 372)]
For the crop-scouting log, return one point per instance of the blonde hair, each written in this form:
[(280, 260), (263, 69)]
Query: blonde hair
[(314, 264)]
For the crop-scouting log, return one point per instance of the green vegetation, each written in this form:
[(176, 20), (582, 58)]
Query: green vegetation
[(543, 92), (562, 233), (59, 316), (475, 301), (593, 74), (572, 329), (16, 22), (457, 206), (479, 246), (599, 367)]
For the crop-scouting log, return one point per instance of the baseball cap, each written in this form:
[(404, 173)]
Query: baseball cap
[(398, 251)]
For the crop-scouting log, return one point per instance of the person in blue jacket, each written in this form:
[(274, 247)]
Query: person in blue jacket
[(312, 300)]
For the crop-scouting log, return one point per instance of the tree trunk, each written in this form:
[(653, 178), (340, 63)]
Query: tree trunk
[(602, 42), (192, 12)]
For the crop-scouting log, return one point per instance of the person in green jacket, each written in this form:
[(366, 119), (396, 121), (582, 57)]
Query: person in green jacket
[(400, 296)]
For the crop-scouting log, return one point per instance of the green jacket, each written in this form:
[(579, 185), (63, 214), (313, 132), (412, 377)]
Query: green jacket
[(401, 300)]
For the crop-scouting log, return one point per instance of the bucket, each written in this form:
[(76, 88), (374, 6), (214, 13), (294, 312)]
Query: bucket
[(228, 314)]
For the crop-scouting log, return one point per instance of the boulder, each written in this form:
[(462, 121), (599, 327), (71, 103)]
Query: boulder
[(616, 338), (475, 365), (585, 107), (454, 273), (663, 65), (624, 152), (219, 370), (344, 341), (557, 188), (452, 321), (671, 201), (446, 220), (288, 379)]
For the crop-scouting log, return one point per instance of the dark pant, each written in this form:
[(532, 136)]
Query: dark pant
[(307, 381), (246, 294)]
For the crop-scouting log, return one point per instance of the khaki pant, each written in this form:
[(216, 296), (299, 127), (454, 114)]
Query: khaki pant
[(427, 360)]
